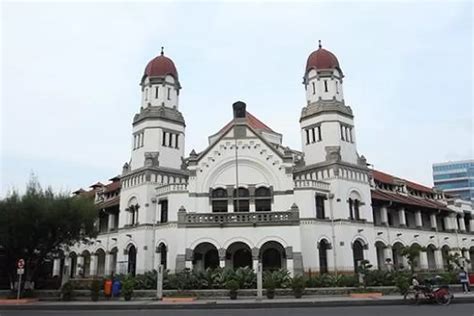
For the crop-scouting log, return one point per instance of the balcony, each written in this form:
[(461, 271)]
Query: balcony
[(239, 219)]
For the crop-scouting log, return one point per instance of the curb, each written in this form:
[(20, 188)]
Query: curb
[(214, 305)]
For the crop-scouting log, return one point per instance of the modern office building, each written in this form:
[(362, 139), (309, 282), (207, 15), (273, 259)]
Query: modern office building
[(455, 178)]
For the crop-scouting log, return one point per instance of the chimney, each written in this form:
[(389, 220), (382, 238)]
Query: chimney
[(239, 109)]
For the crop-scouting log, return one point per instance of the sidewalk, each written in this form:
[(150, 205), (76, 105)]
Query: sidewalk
[(279, 302)]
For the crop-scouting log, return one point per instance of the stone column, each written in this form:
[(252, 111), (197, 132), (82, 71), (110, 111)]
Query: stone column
[(222, 253), (79, 266), (454, 222), (471, 225), (418, 219), (189, 259), (423, 264), (94, 262), (447, 222), (433, 221), (402, 217), (461, 224), (108, 263), (289, 261), (255, 257), (384, 215), (388, 254), (56, 267), (438, 259), (467, 255)]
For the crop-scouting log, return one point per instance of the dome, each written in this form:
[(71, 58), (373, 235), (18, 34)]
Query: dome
[(322, 59), (161, 66)]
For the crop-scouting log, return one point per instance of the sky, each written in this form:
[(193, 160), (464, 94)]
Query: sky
[(70, 77)]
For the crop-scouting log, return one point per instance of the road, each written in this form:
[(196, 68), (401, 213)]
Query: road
[(428, 310)]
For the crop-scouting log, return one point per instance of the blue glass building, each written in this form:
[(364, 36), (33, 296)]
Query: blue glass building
[(456, 178)]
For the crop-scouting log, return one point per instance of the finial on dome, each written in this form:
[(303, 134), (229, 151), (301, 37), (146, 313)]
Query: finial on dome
[(162, 50), (320, 45)]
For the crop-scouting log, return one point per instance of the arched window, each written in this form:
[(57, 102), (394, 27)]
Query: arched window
[(132, 260), (219, 200), (163, 252), (323, 256), (354, 206), (358, 253), (241, 200), (133, 210), (263, 200)]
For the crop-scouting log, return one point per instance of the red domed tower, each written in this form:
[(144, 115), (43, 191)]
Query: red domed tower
[(160, 83), (327, 124), (323, 76)]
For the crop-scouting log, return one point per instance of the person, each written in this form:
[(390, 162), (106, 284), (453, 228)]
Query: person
[(463, 279)]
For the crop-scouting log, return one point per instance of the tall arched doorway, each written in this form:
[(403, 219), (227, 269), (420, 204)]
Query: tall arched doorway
[(272, 256), (100, 262), (132, 260), (205, 256), (445, 255), (73, 265), (430, 254), (397, 256), (162, 250), (358, 253), (113, 260), (323, 247), (471, 255), (239, 255), (86, 263), (379, 247)]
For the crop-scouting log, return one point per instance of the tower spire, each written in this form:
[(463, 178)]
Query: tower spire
[(162, 50), (319, 44)]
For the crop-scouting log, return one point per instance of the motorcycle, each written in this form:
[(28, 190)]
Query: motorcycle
[(431, 291)]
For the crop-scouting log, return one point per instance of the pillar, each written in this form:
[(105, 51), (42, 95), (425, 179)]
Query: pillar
[(108, 263), (461, 224), (189, 259), (56, 267), (468, 259), (289, 261), (93, 268), (388, 254), (384, 215), (471, 225), (255, 257), (447, 222), (222, 253), (79, 266), (423, 260), (433, 221), (402, 217), (438, 259), (418, 219)]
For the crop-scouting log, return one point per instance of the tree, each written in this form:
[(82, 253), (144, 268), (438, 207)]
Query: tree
[(412, 253), (39, 224)]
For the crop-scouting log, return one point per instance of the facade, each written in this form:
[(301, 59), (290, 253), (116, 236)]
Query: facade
[(248, 198), (455, 178)]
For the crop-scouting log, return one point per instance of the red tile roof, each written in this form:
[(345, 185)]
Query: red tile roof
[(383, 177), (322, 59), (109, 203), (251, 121), (161, 66), (406, 199), (113, 186)]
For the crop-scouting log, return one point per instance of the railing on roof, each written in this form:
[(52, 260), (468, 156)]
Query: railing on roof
[(172, 188), (312, 184)]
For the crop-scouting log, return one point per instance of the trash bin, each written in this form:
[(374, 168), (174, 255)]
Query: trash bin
[(108, 287), (117, 285)]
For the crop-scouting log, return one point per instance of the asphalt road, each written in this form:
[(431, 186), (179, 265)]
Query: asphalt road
[(428, 310)]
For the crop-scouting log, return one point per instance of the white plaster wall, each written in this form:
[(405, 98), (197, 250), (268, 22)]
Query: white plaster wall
[(149, 93)]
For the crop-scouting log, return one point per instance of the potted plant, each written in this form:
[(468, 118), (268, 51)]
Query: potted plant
[(232, 286), (269, 285), (128, 285), (298, 285), (95, 289)]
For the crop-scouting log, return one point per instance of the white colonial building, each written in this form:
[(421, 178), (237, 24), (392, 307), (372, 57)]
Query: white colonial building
[(247, 198)]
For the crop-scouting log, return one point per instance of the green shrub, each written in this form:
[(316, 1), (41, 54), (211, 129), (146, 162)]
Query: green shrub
[(233, 287), (95, 290), (128, 286), (281, 278), (402, 281), (298, 286), (379, 278), (67, 291)]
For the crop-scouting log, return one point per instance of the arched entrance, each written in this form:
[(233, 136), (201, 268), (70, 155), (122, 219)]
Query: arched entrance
[(100, 262), (471, 255), (445, 255), (162, 250), (397, 256), (205, 256), (73, 263), (132, 260), (379, 247), (323, 247), (430, 254), (239, 255), (272, 256), (86, 263), (358, 253)]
